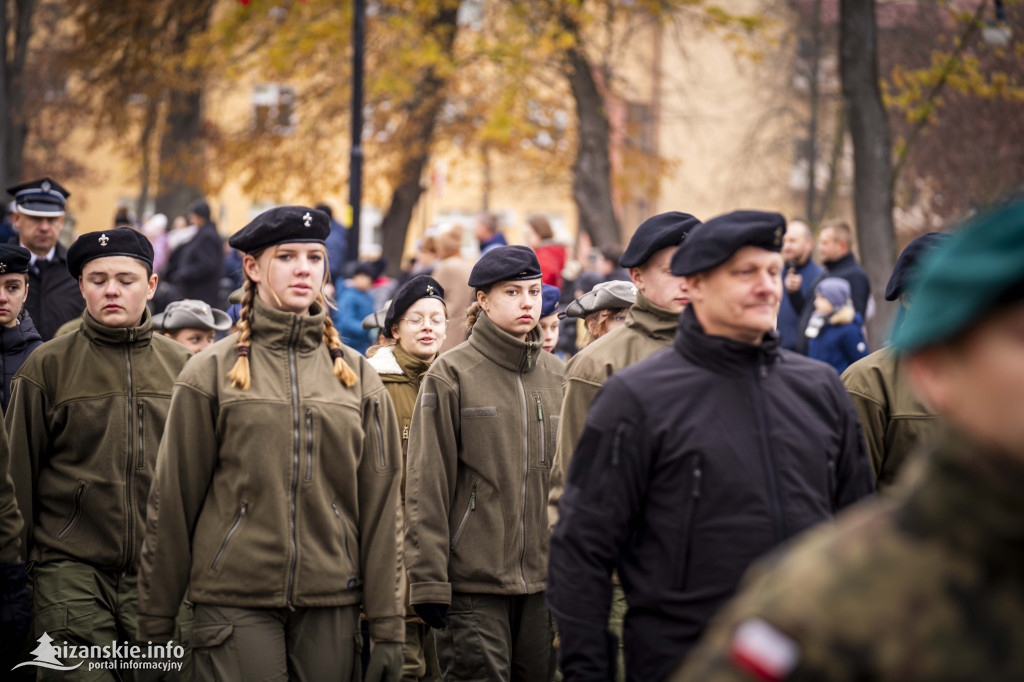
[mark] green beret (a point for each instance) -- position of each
(965, 278)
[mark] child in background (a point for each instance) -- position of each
(834, 332)
(354, 303)
(549, 316)
(192, 323)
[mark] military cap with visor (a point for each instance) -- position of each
(121, 241)
(282, 225)
(14, 259)
(604, 296)
(191, 314)
(657, 233)
(505, 264)
(420, 286)
(43, 198)
(715, 242)
(975, 272)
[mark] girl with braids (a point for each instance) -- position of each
(277, 494)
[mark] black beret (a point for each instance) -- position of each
(657, 233)
(121, 241)
(43, 197)
(908, 261)
(715, 242)
(13, 259)
(200, 208)
(282, 225)
(505, 263)
(420, 286)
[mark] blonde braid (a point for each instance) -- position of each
(342, 371)
(239, 374)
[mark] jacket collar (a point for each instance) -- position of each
(277, 329)
(652, 320)
(503, 349)
(412, 367)
(20, 336)
(833, 264)
(971, 494)
(115, 336)
(719, 353)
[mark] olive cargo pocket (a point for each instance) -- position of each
(213, 655)
(460, 647)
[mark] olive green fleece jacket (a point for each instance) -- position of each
(648, 328)
(285, 495)
(11, 522)
(86, 416)
(480, 448)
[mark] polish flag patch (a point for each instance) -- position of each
(763, 651)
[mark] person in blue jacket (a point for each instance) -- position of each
(834, 331)
(354, 303)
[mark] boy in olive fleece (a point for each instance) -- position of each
(86, 416)
(480, 448)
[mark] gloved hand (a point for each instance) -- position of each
(385, 663)
(434, 615)
(15, 610)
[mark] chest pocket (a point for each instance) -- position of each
(545, 426)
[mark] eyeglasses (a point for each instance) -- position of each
(418, 321)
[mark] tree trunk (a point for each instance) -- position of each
(592, 171)
(812, 123)
(418, 133)
(146, 143)
(12, 90)
(872, 154)
(180, 175)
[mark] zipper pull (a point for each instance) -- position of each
(540, 412)
(697, 475)
(472, 500)
(405, 432)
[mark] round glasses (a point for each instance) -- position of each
(418, 321)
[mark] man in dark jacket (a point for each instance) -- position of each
(697, 460)
(801, 276)
(53, 295)
(195, 268)
(834, 246)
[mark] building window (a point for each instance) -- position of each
(273, 109)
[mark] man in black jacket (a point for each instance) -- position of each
(834, 247)
(698, 460)
(53, 295)
(194, 269)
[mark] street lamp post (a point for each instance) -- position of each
(355, 180)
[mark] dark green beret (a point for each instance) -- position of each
(282, 225)
(504, 264)
(962, 280)
(715, 242)
(420, 286)
(654, 234)
(14, 259)
(121, 241)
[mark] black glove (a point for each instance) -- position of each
(15, 610)
(434, 615)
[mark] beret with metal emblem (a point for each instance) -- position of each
(282, 225)
(657, 233)
(14, 259)
(191, 314)
(715, 242)
(420, 286)
(121, 241)
(505, 264)
(550, 297)
(979, 269)
(44, 197)
(604, 296)
(909, 259)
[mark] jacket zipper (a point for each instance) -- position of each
(309, 443)
(405, 434)
(697, 476)
(294, 378)
(344, 533)
(526, 472)
(227, 538)
(832, 483)
(380, 432)
(142, 449)
(761, 371)
(79, 492)
(471, 507)
(129, 469)
(540, 420)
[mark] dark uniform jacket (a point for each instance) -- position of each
(692, 464)
(923, 584)
(15, 344)
(53, 294)
(86, 416)
(849, 269)
(195, 268)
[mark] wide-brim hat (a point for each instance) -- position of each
(191, 314)
(604, 296)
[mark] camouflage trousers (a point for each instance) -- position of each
(76, 604)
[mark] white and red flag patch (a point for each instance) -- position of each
(763, 651)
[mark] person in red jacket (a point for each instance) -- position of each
(551, 256)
